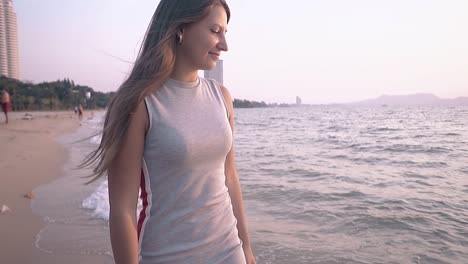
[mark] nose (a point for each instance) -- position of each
(222, 44)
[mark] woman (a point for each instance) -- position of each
(169, 132)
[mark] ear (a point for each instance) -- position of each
(180, 35)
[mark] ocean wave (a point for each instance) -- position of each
(414, 149)
(98, 202)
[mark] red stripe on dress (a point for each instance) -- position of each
(144, 198)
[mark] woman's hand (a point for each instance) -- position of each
(249, 256)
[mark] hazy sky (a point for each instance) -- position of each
(323, 51)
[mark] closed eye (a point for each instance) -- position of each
(217, 28)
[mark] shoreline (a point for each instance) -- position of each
(31, 156)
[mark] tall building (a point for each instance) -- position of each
(9, 53)
(216, 73)
(298, 100)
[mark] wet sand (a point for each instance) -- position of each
(30, 157)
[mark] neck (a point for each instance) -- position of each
(183, 73)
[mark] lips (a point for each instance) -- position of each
(216, 55)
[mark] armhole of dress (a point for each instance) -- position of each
(150, 115)
(218, 87)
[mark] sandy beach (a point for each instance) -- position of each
(30, 157)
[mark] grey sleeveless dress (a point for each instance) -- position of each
(187, 214)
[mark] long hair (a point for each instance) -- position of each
(152, 68)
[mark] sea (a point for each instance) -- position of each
(321, 184)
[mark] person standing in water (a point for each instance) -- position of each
(6, 104)
(169, 133)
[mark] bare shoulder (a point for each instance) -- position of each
(139, 117)
(227, 99)
(226, 93)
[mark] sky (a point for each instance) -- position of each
(327, 51)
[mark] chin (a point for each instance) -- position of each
(208, 66)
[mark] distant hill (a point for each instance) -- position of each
(420, 99)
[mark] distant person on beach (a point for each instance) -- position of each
(169, 132)
(80, 111)
(6, 104)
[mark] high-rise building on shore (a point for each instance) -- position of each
(216, 73)
(298, 100)
(9, 52)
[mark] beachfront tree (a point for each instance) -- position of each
(59, 95)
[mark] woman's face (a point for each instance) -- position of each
(203, 41)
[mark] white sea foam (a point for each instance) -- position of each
(95, 123)
(98, 202)
(96, 139)
(37, 242)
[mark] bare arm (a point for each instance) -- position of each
(233, 184)
(124, 181)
